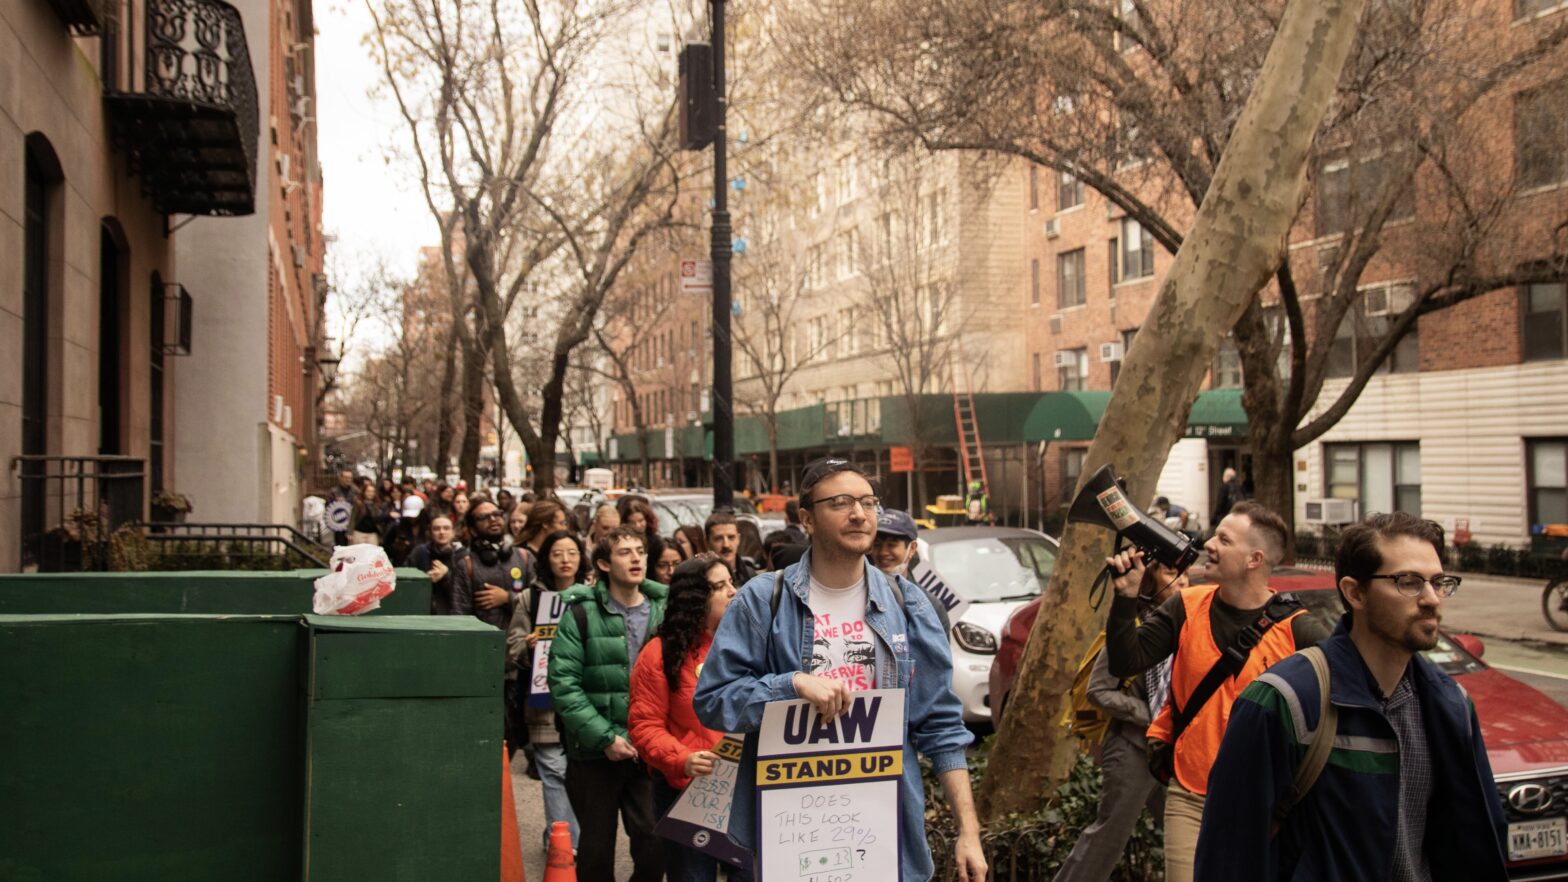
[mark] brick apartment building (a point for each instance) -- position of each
(96, 121)
(1467, 423)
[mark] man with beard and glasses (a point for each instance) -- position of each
(1406, 792)
(865, 631)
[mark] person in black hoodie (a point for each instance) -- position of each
(487, 580)
(434, 558)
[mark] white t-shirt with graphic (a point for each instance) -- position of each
(843, 648)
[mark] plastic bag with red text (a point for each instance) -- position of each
(358, 577)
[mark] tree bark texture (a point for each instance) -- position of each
(1237, 242)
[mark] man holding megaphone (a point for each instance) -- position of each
(1222, 636)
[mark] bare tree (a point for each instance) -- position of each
(1138, 101)
(990, 55)
(628, 337)
(519, 175)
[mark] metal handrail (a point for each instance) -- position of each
(219, 528)
(110, 489)
(262, 538)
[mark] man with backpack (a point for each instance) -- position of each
(1110, 714)
(832, 624)
(1222, 637)
(596, 642)
(1359, 759)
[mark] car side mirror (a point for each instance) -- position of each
(1471, 643)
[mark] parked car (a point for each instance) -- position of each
(995, 570)
(1526, 732)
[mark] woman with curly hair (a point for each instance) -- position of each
(663, 726)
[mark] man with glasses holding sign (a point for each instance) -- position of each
(825, 628)
(1399, 786)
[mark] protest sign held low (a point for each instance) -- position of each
(546, 618)
(701, 816)
(827, 790)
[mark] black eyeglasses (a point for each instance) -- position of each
(843, 502)
(490, 516)
(1410, 584)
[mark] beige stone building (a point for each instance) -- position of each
(109, 151)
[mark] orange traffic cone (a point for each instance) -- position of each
(561, 866)
(511, 846)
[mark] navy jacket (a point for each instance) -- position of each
(1344, 829)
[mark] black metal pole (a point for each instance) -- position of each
(723, 407)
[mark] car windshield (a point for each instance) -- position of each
(1447, 655)
(995, 567)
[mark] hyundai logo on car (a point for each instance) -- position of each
(1531, 799)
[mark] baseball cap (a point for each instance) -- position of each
(896, 523)
(412, 506)
(818, 471)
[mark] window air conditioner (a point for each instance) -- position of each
(1375, 301)
(1330, 511)
(1064, 358)
(277, 408)
(1051, 229)
(1110, 352)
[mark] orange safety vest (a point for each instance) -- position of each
(1196, 653)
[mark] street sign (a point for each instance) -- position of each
(901, 459)
(696, 277)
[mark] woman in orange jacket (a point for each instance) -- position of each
(663, 726)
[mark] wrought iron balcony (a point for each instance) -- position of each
(187, 117)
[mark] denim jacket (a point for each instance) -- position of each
(756, 654)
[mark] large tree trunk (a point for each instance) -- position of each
(473, 410)
(1236, 243)
(444, 428)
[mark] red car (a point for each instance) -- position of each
(1526, 732)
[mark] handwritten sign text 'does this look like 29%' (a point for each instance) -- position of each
(827, 790)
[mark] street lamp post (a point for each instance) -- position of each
(723, 404)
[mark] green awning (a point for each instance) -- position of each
(1065, 416)
(1074, 416)
(1217, 414)
(588, 457)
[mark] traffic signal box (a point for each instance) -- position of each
(157, 747)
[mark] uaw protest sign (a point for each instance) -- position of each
(827, 790)
(700, 818)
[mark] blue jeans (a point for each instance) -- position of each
(550, 759)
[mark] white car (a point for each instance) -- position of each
(982, 574)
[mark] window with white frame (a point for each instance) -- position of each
(1547, 480)
(1137, 251)
(1116, 366)
(1227, 365)
(1072, 369)
(1365, 325)
(1349, 191)
(1069, 192)
(1379, 476)
(1071, 289)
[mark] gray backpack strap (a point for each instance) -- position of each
(1321, 743)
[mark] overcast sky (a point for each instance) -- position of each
(373, 208)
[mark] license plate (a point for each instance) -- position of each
(1537, 839)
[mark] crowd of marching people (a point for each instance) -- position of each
(634, 646)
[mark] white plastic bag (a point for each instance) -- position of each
(358, 577)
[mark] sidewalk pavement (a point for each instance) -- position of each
(1501, 608)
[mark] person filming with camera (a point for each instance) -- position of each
(1222, 636)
